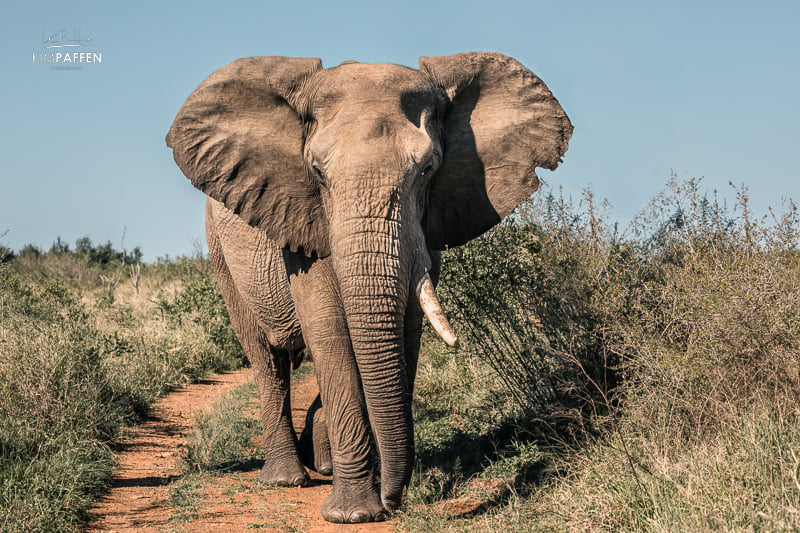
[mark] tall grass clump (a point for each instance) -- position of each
(225, 435)
(87, 343)
(637, 380)
(56, 410)
(172, 331)
(717, 316)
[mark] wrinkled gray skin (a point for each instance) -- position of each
(329, 192)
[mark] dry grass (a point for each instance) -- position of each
(82, 353)
(656, 372)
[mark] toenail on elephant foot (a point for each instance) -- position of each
(300, 481)
(357, 516)
(285, 478)
(360, 517)
(352, 506)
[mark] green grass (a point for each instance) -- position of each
(225, 437)
(84, 352)
(744, 478)
(184, 497)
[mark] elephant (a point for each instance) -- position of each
(331, 192)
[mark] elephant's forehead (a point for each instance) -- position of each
(381, 84)
(373, 75)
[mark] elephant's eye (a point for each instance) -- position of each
(320, 175)
(427, 170)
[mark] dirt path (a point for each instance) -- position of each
(150, 462)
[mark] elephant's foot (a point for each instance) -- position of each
(316, 455)
(354, 503)
(284, 472)
(314, 445)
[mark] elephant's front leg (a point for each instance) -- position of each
(282, 464)
(356, 495)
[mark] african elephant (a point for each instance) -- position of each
(330, 191)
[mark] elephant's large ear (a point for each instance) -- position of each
(239, 139)
(502, 122)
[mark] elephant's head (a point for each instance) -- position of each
(373, 165)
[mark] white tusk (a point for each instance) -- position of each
(430, 305)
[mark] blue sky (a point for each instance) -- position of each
(707, 89)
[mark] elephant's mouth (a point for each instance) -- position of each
(430, 305)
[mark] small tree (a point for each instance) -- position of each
(83, 246)
(30, 251)
(104, 254)
(59, 247)
(134, 257)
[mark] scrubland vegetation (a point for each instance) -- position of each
(643, 378)
(88, 341)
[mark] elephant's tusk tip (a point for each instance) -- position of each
(432, 309)
(449, 337)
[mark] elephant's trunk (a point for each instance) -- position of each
(375, 278)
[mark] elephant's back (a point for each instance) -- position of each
(257, 268)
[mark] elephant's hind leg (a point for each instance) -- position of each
(315, 445)
(271, 368)
(282, 465)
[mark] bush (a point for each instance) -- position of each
(653, 375)
(200, 302)
(716, 326)
(526, 298)
(534, 372)
(181, 334)
(6, 254)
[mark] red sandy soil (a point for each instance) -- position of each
(149, 461)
